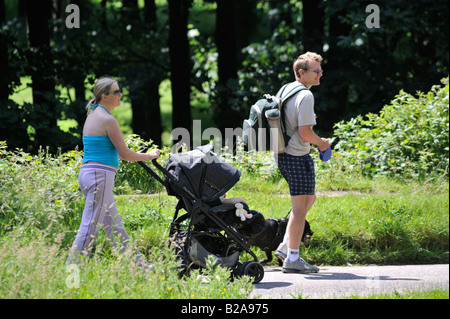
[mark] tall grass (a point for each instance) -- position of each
(40, 211)
(419, 294)
(380, 229)
(34, 268)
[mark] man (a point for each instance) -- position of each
(296, 165)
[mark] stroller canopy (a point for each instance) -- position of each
(199, 174)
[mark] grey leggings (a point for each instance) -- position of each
(97, 182)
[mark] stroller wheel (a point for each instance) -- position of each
(253, 269)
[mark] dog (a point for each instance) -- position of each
(272, 236)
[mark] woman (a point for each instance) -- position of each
(103, 146)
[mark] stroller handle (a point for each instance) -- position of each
(164, 171)
(150, 171)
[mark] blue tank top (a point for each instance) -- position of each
(99, 148)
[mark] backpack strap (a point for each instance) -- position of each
(289, 90)
(294, 88)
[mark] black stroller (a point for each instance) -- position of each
(208, 228)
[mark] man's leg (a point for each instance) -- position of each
(296, 224)
(301, 204)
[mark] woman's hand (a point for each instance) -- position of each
(153, 154)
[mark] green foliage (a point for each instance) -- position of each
(129, 41)
(39, 193)
(131, 174)
(40, 210)
(420, 294)
(265, 67)
(35, 269)
(408, 139)
(380, 229)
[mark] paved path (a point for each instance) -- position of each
(337, 282)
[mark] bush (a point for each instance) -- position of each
(408, 139)
(132, 175)
(39, 193)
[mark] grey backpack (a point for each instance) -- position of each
(265, 129)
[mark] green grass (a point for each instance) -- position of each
(380, 229)
(35, 269)
(349, 229)
(419, 294)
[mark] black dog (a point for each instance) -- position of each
(272, 236)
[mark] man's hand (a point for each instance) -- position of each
(324, 145)
(306, 132)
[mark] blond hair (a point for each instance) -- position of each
(102, 86)
(303, 61)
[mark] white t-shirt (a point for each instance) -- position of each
(299, 111)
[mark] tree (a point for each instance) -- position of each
(226, 41)
(12, 128)
(41, 62)
(313, 25)
(409, 50)
(144, 89)
(180, 65)
(4, 90)
(338, 77)
(254, 43)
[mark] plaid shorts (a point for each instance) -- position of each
(299, 173)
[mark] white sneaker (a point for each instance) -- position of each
(298, 266)
(281, 252)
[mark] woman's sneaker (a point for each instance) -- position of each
(281, 252)
(298, 266)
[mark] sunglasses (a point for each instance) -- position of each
(317, 71)
(117, 92)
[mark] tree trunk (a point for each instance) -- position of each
(226, 42)
(313, 26)
(338, 85)
(180, 65)
(146, 120)
(38, 15)
(4, 79)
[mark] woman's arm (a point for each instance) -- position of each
(115, 135)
